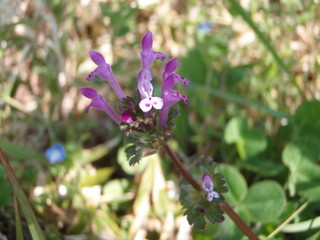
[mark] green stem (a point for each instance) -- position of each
(26, 209)
(225, 206)
(289, 219)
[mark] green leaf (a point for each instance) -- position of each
(235, 182)
(308, 179)
(308, 113)
(5, 193)
(19, 234)
(19, 152)
(265, 201)
(234, 129)
(131, 170)
(250, 142)
(30, 217)
(100, 176)
(194, 202)
(315, 236)
(90, 155)
(115, 189)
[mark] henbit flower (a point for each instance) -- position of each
(147, 54)
(99, 103)
(55, 153)
(146, 89)
(104, 71)
(168, 95)
(208, 186)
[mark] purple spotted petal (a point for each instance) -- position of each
(145, 104)
(145, 89)
(157, 102)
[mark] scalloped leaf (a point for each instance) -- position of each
(196, 207)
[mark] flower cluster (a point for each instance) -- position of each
(145, 87)
(138, 112)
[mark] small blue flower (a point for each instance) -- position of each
(204, 27)
(55, 153)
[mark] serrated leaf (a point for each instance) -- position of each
(123, 162)
(195, 203)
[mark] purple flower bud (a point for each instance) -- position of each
(170, 67)
(208, 186)
(99, 103)
(168, 95)
(147, 40)
(147, 54)
(126, 117)
(104, 71)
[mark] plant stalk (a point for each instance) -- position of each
(224, 206)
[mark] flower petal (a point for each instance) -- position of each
(145, 89)
(171, 66)
(160, 56)
(147, 40)
(145, 105)
(88, 92)
(145, 75)
(97, 58)
(157, 102)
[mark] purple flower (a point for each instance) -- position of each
(146, 89)
(208, 186)
(147, 54)
(168, 95)
(145, 76)
(55, 153)
(99, 103)
(104, 71)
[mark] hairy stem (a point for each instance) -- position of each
(224, 206)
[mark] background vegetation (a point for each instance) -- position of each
(253, 106)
